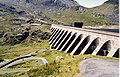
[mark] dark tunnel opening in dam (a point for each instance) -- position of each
(64, 34)
(105, 49)
(69, 42)
(83, 44)
(117, 53)
(92, 46)
(75, 43)
(68, 36)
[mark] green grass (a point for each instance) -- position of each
(90, 17)
(66, 66)
(23, 49)
(86, 17)
(26, 64)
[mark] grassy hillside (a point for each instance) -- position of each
(87, 17)
(106, 14)
(35, 38)
(65, 66)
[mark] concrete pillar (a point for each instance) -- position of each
(67, 41)
(62, 40)
(54, 36)
(98, 47)
(88, 44)
(56, 39)
(112, 51)
(117, 53)
(74, 50)
(52, 30)
(71, 43)
(114, 47)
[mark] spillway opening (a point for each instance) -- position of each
(83, 44)
(68, 36)
(93, 46)
(105, 49)
(75, 43)
(69, 42)
(117, 53)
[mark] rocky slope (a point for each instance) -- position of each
(108, 11)
(114, 16)
(95, 67)
(43, 4)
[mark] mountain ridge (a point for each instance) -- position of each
(109, 10)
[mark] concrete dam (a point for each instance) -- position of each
(77, 41)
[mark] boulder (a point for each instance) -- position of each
(95, 67)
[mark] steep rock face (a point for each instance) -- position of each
(109, 10)
(49, 2)
(114, 17)
(6, 8)
(59, 4)
(113, 1)
(44, 4)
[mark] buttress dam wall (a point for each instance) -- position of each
(84, 41)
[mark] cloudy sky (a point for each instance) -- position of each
(90, 3)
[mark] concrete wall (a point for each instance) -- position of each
(84, 41)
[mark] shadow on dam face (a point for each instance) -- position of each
(55, 35)
(69, 42)
(64, 41)
(61, 39)
(75, 43)
(93, 46)
(58, 37)
(117, 53)
(52, 29)
(105, 49)
(83, 44)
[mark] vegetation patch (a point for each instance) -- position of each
(60, 64)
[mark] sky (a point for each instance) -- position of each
(90, 3)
